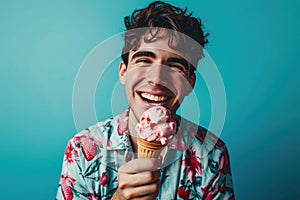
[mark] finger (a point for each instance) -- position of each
(140, 179)
(148, 197)
(141, 165)
(149, 191)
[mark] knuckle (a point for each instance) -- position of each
(127, 195)
(149, 176)
(122, 185)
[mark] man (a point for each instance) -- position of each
(162, 47)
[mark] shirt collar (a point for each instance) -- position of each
(119, 139)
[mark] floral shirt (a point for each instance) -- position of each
(195, 163)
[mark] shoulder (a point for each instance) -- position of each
(202, 140)
(207, 154)
(208, 139)
(96, 131)
(91, 140)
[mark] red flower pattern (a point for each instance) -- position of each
(182, 193)
(192, 165)
(209, 191)
(71, 154)
(103, 179)
(87, 145)
(224, 163)
(92, 197)
(66, 184)
(223, 186)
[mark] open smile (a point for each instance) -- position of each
(153, 98)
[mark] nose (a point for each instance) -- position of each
(157, 75)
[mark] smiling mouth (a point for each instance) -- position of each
(156, 99)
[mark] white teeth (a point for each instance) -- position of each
(153, 97)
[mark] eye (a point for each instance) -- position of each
(142, 60)
(177, 66)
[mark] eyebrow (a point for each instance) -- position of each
(182, 61)
(143, 53)
(150, 54)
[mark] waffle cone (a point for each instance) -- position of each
(148, 149)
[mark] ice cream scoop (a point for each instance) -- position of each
(156, 124)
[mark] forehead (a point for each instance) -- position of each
(162, 43)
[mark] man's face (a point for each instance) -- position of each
(155, 75)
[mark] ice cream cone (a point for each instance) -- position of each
(149, 149)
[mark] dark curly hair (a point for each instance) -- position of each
(178, 23)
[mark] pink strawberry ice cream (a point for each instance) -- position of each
(156, 124)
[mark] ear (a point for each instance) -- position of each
(192, 80)
(122, 72)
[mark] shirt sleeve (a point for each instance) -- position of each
(220, 185)
(72, 184)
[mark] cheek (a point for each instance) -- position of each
(181, 84)
(134, 78)
(136, 73)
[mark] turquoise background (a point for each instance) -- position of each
(255, 45)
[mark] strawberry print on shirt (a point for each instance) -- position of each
(196, 164)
